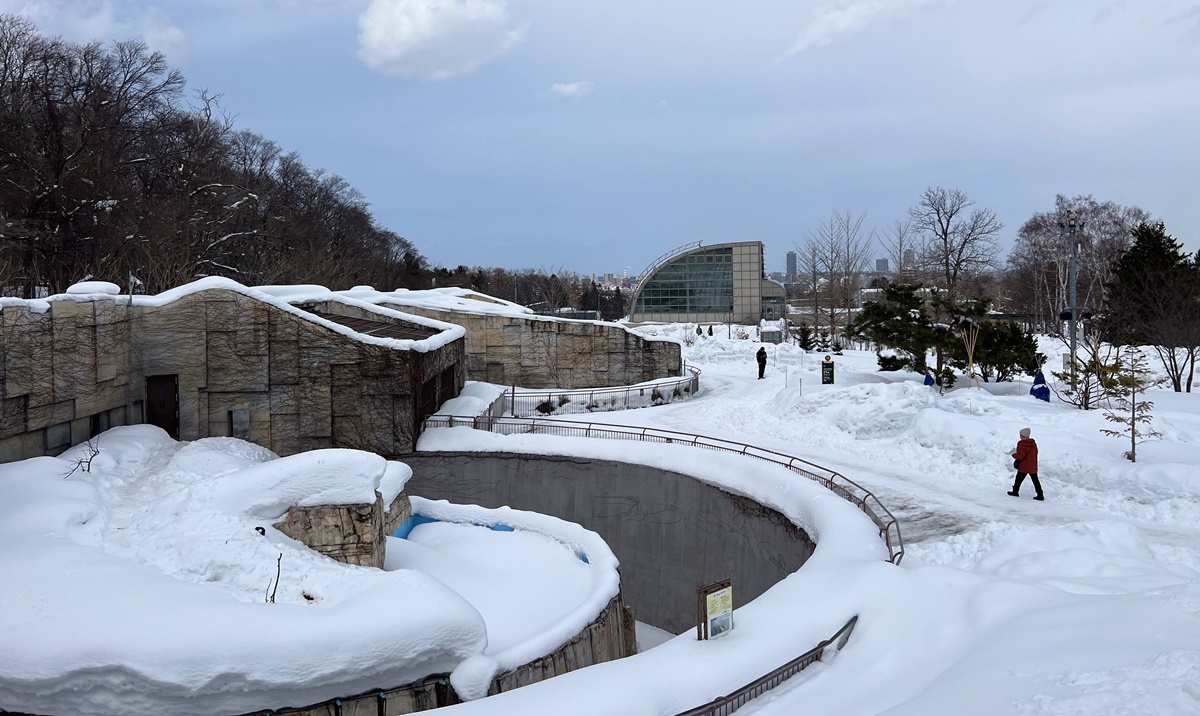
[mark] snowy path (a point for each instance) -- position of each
(1088, 603)
(930, 502)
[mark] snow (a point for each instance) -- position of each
(476, 398)
(536, 586)
(1088, 603)
(139, 586)
(85, 288)
(449, 299)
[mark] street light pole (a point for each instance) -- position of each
(1074, 308)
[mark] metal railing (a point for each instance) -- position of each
(521, 404)
(665, 258)
(732, 702)
(840, 485)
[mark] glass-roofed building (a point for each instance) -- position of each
(718, 283)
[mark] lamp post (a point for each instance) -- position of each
(1072, 225)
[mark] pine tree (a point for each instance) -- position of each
(1154, 300)
(804, 336)
(1003, 349)
(1131, 379)
(899, 322)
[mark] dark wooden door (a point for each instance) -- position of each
(162, 403)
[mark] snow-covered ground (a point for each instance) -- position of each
(1087, 603)
(140, 586)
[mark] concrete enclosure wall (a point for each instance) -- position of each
(556, 353)
(671, 533)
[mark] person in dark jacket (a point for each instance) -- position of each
(762, 361)
(1025, 459)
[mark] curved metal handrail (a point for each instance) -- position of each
(839, 484)
(630, 397)
(665, 258)
(729, 703)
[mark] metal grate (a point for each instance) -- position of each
(381, 329)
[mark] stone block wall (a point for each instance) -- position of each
(353, 534)
(557, 353)
(245, 369)
(64, 374)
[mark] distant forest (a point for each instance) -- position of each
(110, 168)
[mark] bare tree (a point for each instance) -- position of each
(833, 257)
(957, 241)
(902, 246)
(1038, 266)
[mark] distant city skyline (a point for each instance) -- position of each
(513, 133)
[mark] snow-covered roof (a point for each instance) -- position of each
(450, 300)
(278, 297)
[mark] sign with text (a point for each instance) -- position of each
(714, 610)
(827, 372)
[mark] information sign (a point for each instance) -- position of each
(714, 610)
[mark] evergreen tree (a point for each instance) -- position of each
(1002, 349)
(1154, 300)
(804, 336)
(1132, 378)
(899, 322)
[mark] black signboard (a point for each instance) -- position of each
(827, 373)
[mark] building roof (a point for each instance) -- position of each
(400, 331)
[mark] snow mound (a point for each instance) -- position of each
(140, 586)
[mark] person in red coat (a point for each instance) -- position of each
(1025, 460)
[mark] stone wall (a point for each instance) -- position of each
(245, 369)
(557, 353)
(354, 534)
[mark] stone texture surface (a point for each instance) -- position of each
(354, 534)
(304, 385)
(557, 353)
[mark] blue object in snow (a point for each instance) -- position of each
(1040, 390)
(928, 378)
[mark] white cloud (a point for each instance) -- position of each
(434, 39)
(572, 89)
(833, 22)
(100, 21)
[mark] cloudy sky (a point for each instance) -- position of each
(595, 136)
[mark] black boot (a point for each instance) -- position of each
(1014, 494)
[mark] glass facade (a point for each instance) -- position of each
(699, 282)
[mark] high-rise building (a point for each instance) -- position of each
(881, 265)
(790, 277)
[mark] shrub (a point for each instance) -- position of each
(891, 363)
